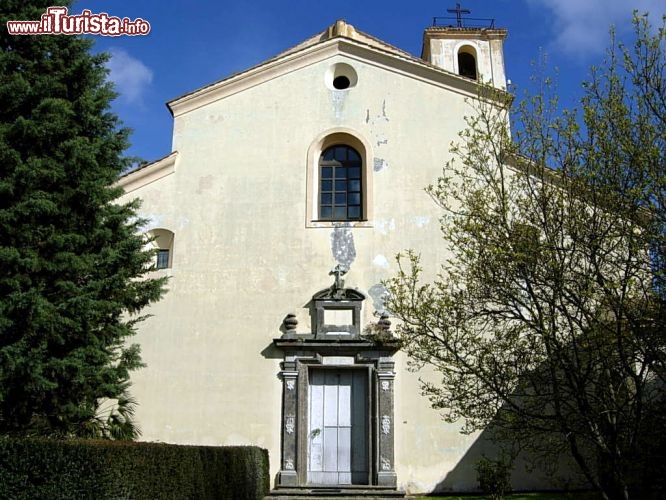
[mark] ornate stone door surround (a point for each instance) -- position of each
(337, 346)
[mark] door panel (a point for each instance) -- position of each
(338, 427)
(316, 424)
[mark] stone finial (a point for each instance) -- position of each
(341, 28)
(290, 323)
(384, 322)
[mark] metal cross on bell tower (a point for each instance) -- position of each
(458, 11)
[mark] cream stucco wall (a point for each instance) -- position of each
(244, 255)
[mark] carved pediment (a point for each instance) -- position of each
(336, 294)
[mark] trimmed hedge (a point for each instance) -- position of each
(43, 468)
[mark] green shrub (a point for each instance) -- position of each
(42, 468)
(494, 477)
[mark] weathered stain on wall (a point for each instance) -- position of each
(421, 220)
(378, 294)
(342, 245)
(385, 226)
(381, 261)
(338, 102)
(379, 164)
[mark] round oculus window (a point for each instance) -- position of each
(341, 82)
(340, 76)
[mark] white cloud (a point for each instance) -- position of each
(130, 76)
(581, 26)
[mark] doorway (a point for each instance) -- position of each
(338, 409)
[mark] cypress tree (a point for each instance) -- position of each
(73, 262)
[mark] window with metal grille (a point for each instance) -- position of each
(340, 184)
(162, 259)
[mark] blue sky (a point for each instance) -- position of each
(194, 43)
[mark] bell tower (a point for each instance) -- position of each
(469, 47)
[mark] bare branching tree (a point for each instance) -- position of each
(548, 318)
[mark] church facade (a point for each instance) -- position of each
(291, 187)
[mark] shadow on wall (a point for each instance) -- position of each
(272, 352)
(527, 473)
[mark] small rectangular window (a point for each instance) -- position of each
(162, 259)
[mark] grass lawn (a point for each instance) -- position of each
(521, 496)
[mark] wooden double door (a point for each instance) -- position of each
(338, 439)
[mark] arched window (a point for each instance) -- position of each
(340, 184)
(162, 241)
(467, 62)
(330, 197)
